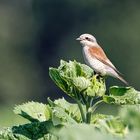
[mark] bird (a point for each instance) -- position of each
(96, 58)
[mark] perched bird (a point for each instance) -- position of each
(96, 58)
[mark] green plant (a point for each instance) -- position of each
(62, 120)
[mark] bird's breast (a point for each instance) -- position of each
(97, 65)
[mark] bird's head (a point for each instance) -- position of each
(87, 40)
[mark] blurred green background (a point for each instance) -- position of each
(36, 34)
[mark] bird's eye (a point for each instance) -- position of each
(87, 38)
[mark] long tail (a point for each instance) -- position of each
(121, 79)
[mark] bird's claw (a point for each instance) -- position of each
(98, 77)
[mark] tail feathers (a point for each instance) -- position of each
(121, 79)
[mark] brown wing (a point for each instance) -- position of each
(99, 54)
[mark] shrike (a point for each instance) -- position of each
(96, 58)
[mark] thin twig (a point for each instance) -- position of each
(93, 108)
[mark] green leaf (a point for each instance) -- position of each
(131, 116)
(7, 134)
(97, 87)
(133, 136)
(110, 124)
(74, 69)
(81, 83)
(31, 131)
(77, 79)
(63, 112)
(33, 111)
(82, 132)
(122, 96)
(71, 109)
(59, 116)
(59, 80)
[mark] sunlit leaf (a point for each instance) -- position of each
(33, 111)
(59, 116)
(75, 78)
(82, 132)
(131, 116)
(71, 109)
(31, 131)
(81, 83)
(63, 112)
(110, 124)
(122, 96)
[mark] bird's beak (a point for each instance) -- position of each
(78, 38)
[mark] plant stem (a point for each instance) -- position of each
(81, 111)
(88, 110)
(88, 114)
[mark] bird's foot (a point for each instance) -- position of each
(95, 77)
(98, 77)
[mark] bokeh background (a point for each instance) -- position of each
(36, 34)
